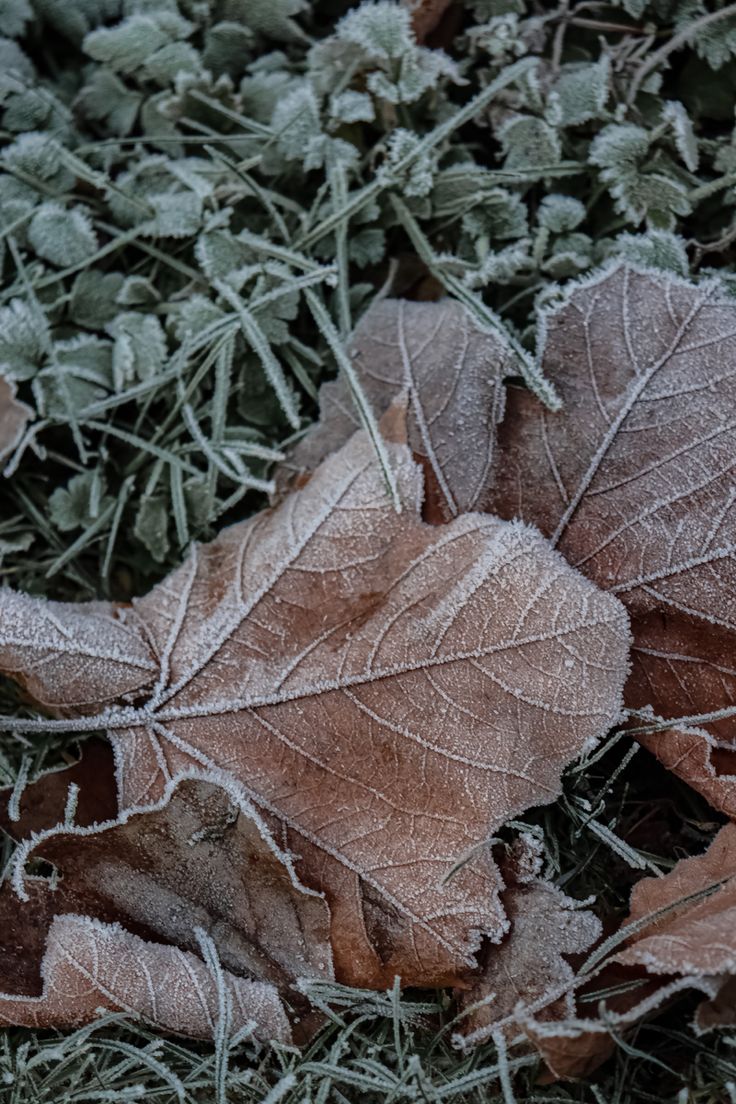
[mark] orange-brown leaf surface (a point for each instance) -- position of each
(451, 371)
(383, 693)
(634, 483)
(14, 416)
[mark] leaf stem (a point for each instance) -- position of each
(677, 41)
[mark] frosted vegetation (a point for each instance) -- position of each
(198, 202)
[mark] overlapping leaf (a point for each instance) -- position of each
(195, 863)
(529, 975)
(89, 966)
(634, 483)
(682, 936)
(384, 692)
(452, 371)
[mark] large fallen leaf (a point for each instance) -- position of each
(14, 417)
(385, 692)
(89, 967)
(452, 371)
(683, 936)
(635, 483)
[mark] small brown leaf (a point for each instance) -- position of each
(634, 482)
(386, 694)
(528, 975)
(14, 417)
(90, 966)
(683, 936)
(425, 15)
(451, 371)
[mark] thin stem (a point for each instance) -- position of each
(367, 417)
(339, 192)
(675, 43)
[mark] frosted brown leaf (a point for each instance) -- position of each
(89, 966)
(452, 372)
(683, 936)
(197, 862)
(384, 692)
(634, 482)
(528, 975)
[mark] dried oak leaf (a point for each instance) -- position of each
(689, 943)
(385, 692)
(196, 862)
(452, 372)
(634, 482)
(14, 417)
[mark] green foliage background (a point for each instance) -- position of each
(197, 201)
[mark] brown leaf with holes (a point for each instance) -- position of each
(634, 483)
(451, 371)
(383, 692)
(683, 936)
(14, 417)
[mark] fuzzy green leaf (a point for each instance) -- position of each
(23, 338)
(62, 235)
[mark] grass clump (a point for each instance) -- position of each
(197, 202)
